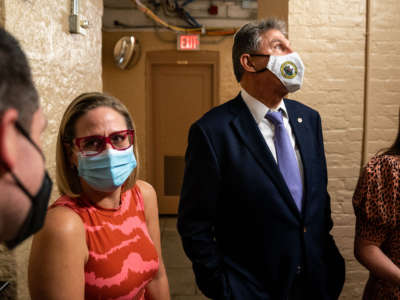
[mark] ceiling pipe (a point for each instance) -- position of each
(75, 7)
(178, 29)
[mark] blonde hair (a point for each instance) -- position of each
(67, 176)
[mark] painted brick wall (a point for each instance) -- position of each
(330, 36)
(384, 95)
(63, 66)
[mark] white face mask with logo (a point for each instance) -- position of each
(288, 68)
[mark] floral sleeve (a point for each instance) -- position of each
(376, 199)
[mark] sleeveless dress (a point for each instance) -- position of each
(122, 257)
(376, 204)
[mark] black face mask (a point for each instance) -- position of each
(36, 215)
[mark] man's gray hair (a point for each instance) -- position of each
(247, 40)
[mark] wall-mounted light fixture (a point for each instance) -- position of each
(126, 52)
(77, 23)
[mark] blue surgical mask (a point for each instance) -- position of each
(108, 170)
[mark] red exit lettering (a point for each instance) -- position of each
(188, 42)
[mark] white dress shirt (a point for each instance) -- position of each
(258, 111)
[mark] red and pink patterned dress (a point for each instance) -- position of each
(122, 257)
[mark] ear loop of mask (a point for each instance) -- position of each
(262, 70)
(17, 181)
(265, 68)
(26, 135)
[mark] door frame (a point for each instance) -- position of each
(174, 57)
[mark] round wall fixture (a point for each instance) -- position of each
(126, 52)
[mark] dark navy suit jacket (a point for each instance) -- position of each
(238, 222)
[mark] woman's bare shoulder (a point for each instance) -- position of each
(146, 189)
(149, 197)
(62, 222)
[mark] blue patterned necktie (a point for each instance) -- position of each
(286, 157)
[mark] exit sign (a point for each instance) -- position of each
(188, 42)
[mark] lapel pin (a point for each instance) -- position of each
(299, 120)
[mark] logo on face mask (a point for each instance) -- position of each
(288, 70)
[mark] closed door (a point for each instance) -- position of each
(181, 94)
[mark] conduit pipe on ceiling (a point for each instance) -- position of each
(364, 151)
(196, 30)
(149, 13)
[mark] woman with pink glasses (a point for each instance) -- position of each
(101, 238)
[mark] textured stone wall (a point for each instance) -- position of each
(63, 66)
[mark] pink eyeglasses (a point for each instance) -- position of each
(94, 144)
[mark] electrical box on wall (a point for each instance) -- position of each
(77, 23)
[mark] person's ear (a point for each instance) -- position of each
(8, 138)
(247, 64)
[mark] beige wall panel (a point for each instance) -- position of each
(63, 66)
(273, 8)
(2, 13)
(329, 36)
(129, 85)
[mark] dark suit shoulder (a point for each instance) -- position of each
(220, 115)
(296, 108)
(293, 104)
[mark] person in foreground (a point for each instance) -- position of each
(24, 183)
(101, 238)
(254, 213)
(376, 204)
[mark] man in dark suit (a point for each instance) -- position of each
(254, 214)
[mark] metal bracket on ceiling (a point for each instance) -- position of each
(77, 23)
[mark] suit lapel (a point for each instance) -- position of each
(249, 133)
(303, 135)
